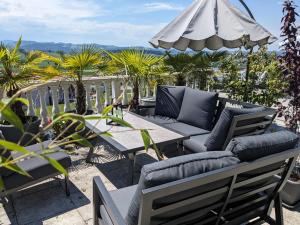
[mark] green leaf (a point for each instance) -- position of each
(1, 184)
(55, 164)
(120, 121)
(14, 147)
(107, 134)
(146, 139)
(23, 100)
(17, 169)
(107, 109)
(81, 140)
(80, 127)
(12, 118)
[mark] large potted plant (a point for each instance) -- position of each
(137, 66)
(290, 62)
(74, 66)
(19, 70)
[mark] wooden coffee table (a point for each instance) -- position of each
(129, 141)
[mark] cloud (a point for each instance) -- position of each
(161, 6)
(69, 20)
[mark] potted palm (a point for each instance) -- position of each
(137, 66)
(74, 66)
(19, 70)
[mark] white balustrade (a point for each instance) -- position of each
(98, 98)
(43, 106)
(107, 86)
(54, 92)
(88, 96)
(112, 88)
(154, 91)
(67, 107)
(30, 108)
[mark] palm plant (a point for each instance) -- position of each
(74, 66)
(19, 70)
(197, 66)
(136, 65)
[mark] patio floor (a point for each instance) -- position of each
(47, 203)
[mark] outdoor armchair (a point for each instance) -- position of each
(221, 187)
(38, 168)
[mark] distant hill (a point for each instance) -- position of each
(69, 47)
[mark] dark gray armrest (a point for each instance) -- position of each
(102, 197)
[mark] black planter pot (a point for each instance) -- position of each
(290, 194)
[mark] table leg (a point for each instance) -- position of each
(180, 148)
(132, 158)
(89, 156)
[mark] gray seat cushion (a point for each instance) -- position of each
(169, 100)
(198, 108)
(196, 143)
(219, 134)
(157, 119)
(185, 129)
(122, 199)
(173, 169)
(37, 168)
(249, 148)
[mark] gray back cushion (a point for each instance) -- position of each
(175, 169)
(219, 133)
(198, 108)
(249, 148)
(169, 100)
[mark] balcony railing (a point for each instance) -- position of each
(100, 92)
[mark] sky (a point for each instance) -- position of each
(109, 22)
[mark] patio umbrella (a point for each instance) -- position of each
(212, 24)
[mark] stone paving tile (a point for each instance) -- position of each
(42, 205)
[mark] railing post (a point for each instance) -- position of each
(116, 89)
(65, 88)
(154, 90)
(98, 98)
(30, 108)
(147, 90)
(54, 92)
(43, 106)
(88, 96)
(125, 97)
(107, 93)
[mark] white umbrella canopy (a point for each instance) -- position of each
(212, 24)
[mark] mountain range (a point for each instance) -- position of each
(69, 47)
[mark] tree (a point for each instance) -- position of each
(136, 65)
(18, 70)
(264, 83)
(290, 64)
(74, 66)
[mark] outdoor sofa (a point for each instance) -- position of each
(214, 187)
(205, 117)
(39, 169)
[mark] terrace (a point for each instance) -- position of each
(131, 138)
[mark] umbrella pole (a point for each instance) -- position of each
(245, 97)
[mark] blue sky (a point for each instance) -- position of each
(110, 22)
